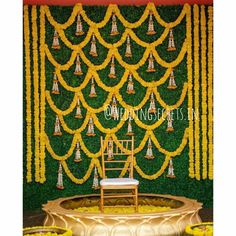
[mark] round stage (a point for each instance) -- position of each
(63, 212)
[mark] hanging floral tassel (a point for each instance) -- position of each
(95, 179)
(114, 30)
(172, 84)
(151, 63)
(55, 87)
(171, 42)
(171, 170)
(149, 154)
(79, 26)
(78, 70)
(112, 69)
(57, 128)
(128, 52)
(90, 131)
(152, 107)
(93, 49)
(55, 42)
(169, 122)
(130, 86)
(130, 131)
(114, 110)
(77, 153)
(110, 155)
(92, 90)
(151, 30)
(78, 113)
(60, 178)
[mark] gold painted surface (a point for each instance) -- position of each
(169, 223)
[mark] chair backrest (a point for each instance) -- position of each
(119, 149)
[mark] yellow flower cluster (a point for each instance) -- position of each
(210, 91)
(196, 89)
(123, 209)
(41, 172)
(67, 232)
(28, 94)
(204, 92)
(202, 229)
(36, 91)
(190, 94)
(114, 8)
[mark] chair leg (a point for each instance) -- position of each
(136, 198)
(102, 200)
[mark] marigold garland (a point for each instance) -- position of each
(190, 94)
(210, 91)
(204, 93)
(28, 93)
(118, 57)
(42, 92)
(114, 8)
(192, 229)
(196, 89)
(157, 174)
(68, 232)
(36, 90)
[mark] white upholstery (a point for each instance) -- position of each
(119, 181)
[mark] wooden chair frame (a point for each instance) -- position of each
(130, 159)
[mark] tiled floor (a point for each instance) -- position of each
(36, 218)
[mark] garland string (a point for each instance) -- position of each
(204, 93)
(196, 89)
(36, 91)
(210, 92)
(28, 94)
(42, 91)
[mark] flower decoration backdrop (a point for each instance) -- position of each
(76, 63)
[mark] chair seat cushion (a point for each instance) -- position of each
(119, 181)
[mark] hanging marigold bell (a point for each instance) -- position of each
(151, 30)
(151, 63)
(78, 70)
(172, 84)
(79, 26)
(114, 110)
(171, 170)
(55, 87)
(60, 178)
(112, 73)
(92, 90)
(78, 113)
(95, 185)
(169, 122)
(90, 131)
(152, 106)
(55, 42)
(128, 52)
(130, 86)
(93, 49)
(149, 153)
(114, 30)
(130, 130)
(171, 42)
(77, 153)
(57, 127)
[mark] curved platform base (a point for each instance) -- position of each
(169, 223)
